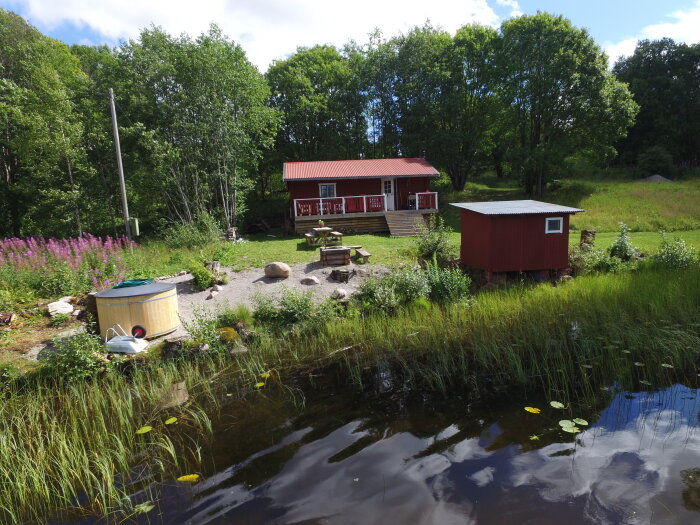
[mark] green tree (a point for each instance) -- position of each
(664, 77)
(318, 92)
(563, 102)
(41, 155)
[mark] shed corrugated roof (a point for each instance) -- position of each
(357, 169)
(514, 207)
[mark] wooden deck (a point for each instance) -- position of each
(364, 222)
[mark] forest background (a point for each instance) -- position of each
(204, 133)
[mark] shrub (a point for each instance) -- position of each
(655, 160)
(193, 234)
(408, 284)
(73, 358)
(239, 315)
(622, 248)
(292, 308)
(59, 319)
(446, 284)
(394, 290)
(433, 242)
(586, 259)
(202, 276)
(675, 254)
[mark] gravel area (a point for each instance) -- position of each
(244, 285)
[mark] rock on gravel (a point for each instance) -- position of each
(212, 294)
(60, 307)
(276, 270)
(339, 293)
(310, 280)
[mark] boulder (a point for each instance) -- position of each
(212, 294)
(60, 307)
(277, 270)
(310, 280)
(339, 293)
(216, 288)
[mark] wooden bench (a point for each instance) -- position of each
(363, 253)
(311, 238)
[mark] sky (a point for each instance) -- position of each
(272, 29)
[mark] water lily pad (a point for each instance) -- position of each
(144, 429)
(566, 423)
(190, 478)
(571, 430)
(265, 375)
(534, 437)
(259, 385)
(580, 421)
(666, 365)
(170, 420)
(637, 363)
(556, 404)
(533, 410)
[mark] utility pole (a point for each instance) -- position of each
(120, 168)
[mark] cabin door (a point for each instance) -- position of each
(389, 189)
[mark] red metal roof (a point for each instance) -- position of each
(357, 169)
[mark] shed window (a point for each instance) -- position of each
(326, 190)
(554, 225)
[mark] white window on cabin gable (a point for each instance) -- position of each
(326, 190)
(554, 225)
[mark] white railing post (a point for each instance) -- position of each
(342, 200)
(295, 208)
(385, 203)
(365, 208)
(417, 199)
(321, 206)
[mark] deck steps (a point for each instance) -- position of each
(404, 223)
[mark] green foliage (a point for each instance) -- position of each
(203, 231)
(587, 259)
(292, 308)
(237, 316)
(675, 254)
(202, 276)
(446, 284)
(59, 319)
(655, 160)
(622, 248)
(433, 242)
(74, 358)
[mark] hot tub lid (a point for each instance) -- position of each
(135, 291)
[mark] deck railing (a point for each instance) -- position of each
(426, 200)
(339, 205)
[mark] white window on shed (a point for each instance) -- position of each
(554, 225)
(326, 191)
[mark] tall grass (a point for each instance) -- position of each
(589, 331)
(72, 449)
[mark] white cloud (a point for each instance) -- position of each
(514, 7)
(683, 26)
(267, 29)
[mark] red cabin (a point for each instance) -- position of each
(360, 195)
(515, 236)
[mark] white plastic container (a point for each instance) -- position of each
(123, 343)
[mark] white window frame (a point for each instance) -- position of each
(561, 225)
(335, 194)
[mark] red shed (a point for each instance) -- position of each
(515, 236)
(360, 195)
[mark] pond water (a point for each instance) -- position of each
(347, 459)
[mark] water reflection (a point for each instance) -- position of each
(406, 461)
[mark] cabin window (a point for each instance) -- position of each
(326, 190)
(388, 187)
(554, 225)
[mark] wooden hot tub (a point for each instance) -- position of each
(146, 311)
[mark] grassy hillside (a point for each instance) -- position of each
(643, 206)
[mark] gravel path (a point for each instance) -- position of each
(244, 285)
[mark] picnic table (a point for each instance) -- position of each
(323, 235)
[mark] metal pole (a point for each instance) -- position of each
(120, 168)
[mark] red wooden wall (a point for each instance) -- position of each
(506, 243)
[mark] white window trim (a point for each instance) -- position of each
(335, 193)
(561, 225)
